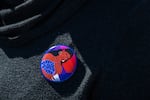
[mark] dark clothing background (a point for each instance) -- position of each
(111, 39)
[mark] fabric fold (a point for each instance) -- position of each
(45, 21)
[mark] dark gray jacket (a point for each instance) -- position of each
(111, 39)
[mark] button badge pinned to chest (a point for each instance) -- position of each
(58, 63)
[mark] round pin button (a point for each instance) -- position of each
(58, 63)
